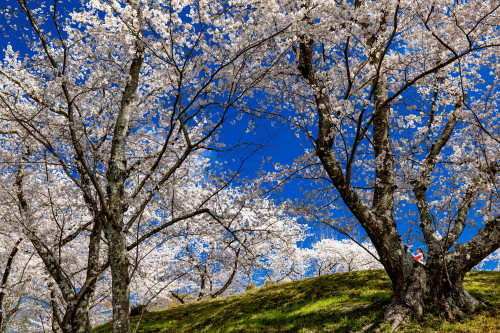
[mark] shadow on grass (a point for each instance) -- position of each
(340, 303)
(350, 302)
(366, 318)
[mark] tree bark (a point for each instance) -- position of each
(116, 176)
(119, 263)
(440, 284)
(5, 278)
(447, 291)
(77, 316)
(441, 280)
(409, 290)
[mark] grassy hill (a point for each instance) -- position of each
(348, 302)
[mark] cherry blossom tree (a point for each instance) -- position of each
(247, 239)
(246, 235)
(123, 97)
(252, 238)
(496, 257)
(46, 208)
(21, 295)
(123, 101)
(399, 99)
(329, 256)
(492, 259)
(209, 255)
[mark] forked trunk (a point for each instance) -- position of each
(430, 286)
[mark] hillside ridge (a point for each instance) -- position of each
(343, 302)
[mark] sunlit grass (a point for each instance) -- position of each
(350, 302)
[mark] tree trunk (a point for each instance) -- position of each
(119, 263)
(447, 292)
(435, 285)
(80, 322)
(5, 277)
(77, 317)
(409, 287)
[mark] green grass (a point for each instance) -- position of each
(349, 302)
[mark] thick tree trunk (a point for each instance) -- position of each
(410, 287)
(433, 286)
(447, 292)
(116, 176)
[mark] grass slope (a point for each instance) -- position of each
(348, 302)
